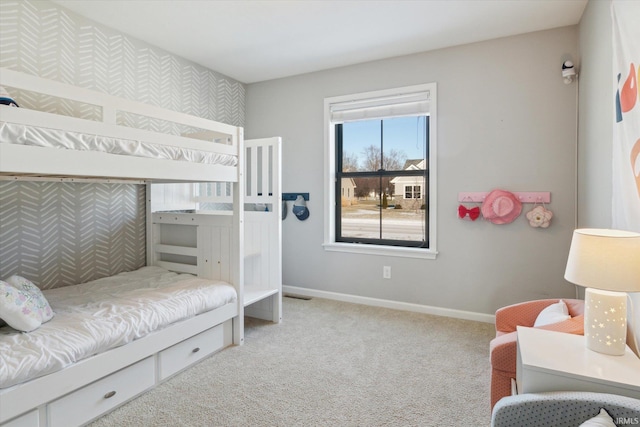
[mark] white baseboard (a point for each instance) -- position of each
(397, 305)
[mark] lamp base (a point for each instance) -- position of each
(605, 321)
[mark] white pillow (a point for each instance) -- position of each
(44, 309)
(603, 419)
(23, 307)
(555, 313)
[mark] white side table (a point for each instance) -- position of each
(556, 361)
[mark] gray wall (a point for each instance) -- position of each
(505, 120)
(596, 116)
(596, 124)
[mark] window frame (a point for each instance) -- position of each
(330, 210)
(379, 174)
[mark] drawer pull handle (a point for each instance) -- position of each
(110, 394)
(195, 350)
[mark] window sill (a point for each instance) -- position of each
(396, 251)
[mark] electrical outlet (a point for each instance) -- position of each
(386, 272)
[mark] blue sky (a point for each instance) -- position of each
(405, 134)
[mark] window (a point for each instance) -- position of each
(380, 147)
(416, 191)
(412, 191)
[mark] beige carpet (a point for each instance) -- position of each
(331, 364)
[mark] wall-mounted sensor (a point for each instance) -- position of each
(568, 72)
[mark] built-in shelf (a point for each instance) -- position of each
(175, 250)
(255, 294)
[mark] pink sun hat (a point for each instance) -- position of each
(501, 207)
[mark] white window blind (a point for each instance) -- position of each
(400, 105)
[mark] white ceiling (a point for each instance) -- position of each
(259, 40)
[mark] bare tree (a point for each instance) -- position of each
(365, 186)
(349, 162)
(371, 158)
(392, 160)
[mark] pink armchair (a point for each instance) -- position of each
(503, 346)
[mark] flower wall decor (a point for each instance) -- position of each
(540, 217)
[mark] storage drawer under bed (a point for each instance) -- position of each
(30, 419)
(191, 350)
(103, 395)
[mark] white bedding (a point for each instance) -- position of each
(13, 133)
(106, 313)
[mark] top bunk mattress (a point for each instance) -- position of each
(15, 133)
(106, 313)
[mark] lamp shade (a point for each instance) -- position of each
(604, 259)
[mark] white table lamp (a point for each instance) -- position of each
(607, 263)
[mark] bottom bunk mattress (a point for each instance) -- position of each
(93, 317)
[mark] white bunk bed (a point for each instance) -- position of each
(208, 244)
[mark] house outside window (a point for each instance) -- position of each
(381, 172)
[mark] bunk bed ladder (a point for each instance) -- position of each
(263, 227)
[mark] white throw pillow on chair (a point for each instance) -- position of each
(554, 313)
(603, 419)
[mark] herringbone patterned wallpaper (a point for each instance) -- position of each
(41, 38)
(58, 234)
